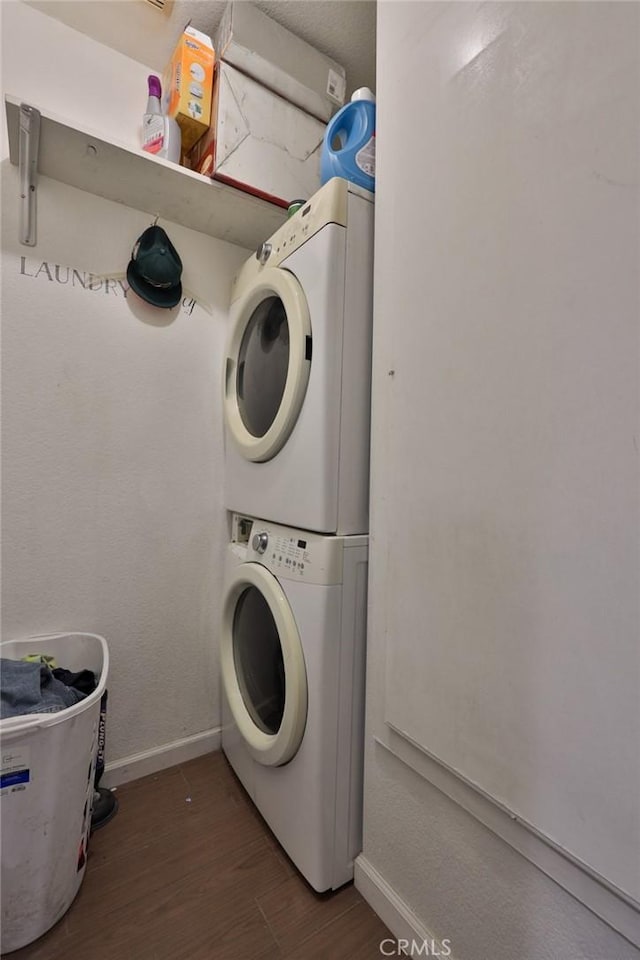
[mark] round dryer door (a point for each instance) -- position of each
(268, 364)
(262, 662)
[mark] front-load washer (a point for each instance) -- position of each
(292, 645)
(297, 377)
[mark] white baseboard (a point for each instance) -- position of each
(159, 758)
(412, 939)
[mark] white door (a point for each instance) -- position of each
(262, 663)
(268, 363)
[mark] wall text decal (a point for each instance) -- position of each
(56, 273)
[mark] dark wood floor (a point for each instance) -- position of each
(188, 870)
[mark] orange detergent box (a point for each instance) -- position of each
(187, 85)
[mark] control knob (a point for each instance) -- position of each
(263, 252)
(259, 542)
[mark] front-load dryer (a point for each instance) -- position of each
(292, 647)
(297, 377)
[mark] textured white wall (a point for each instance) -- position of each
(59, 69)
(111, 437)
(345, 30)
(504, 559)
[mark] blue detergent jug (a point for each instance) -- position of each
(349, 148)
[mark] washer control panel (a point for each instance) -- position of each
(288, 553)
(328, 206)
(281, 553)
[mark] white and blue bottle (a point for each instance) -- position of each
(349, 148)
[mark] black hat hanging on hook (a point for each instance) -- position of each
(155, 269)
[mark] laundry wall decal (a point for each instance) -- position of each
(81, 279)
(85, 280)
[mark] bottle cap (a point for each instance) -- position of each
(294, 206)
(155, 88)
(363, 93)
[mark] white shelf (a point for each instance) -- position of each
(117, 172)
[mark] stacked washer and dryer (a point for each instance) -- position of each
(297, 384)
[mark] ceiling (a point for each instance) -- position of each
(342, 29)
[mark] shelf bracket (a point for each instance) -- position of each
(29, 144)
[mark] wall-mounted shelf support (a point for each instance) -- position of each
(29, 146)
(44, 145)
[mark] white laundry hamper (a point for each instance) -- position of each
(46, 793)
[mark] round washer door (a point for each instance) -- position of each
(262, 662)
(268, 363)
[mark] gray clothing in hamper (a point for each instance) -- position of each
(31, 688)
